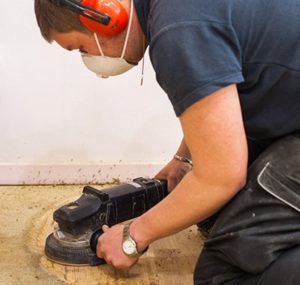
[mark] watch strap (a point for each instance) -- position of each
(126, 236)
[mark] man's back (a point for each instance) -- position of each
(200, 46)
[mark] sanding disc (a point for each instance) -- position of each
(70, 252)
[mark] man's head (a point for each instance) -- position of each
(72, 31)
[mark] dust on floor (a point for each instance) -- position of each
(26, 221)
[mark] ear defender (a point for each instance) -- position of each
(113, 9)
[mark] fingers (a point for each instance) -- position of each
(105, 228)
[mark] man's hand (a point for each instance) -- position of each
(173, 172)
(109, 247)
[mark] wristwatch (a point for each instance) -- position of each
(129, 245)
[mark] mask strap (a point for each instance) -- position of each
(143, 62)
(128, 29)
(98, 44)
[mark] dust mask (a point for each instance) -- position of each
(105, 66)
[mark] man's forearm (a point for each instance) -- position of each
(193, 200)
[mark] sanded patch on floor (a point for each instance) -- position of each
(26, 221)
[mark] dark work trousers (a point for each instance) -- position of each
(256, 236)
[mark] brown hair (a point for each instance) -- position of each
(54, 18)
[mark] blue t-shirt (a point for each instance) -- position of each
(199, 46)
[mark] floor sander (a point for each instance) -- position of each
(79, 223)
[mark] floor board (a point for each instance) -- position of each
(26, 220)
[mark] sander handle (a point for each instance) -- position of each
(94, 239)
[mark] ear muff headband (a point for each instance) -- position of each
(104, 17)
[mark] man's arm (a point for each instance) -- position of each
(214, 134)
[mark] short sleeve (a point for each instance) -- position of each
(195, 59)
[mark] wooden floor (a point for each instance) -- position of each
(26, 221)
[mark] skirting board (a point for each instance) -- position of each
(74, 174)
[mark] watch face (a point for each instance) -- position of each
(129, 247)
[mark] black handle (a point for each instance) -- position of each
(94, 239)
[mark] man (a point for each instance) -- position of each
(231, 71)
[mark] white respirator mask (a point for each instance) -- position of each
(105, 66)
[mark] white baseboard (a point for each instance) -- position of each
(74, 174)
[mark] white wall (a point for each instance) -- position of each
(57, 116)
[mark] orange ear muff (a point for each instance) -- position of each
(112, 8)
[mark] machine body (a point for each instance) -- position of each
(79, 223)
